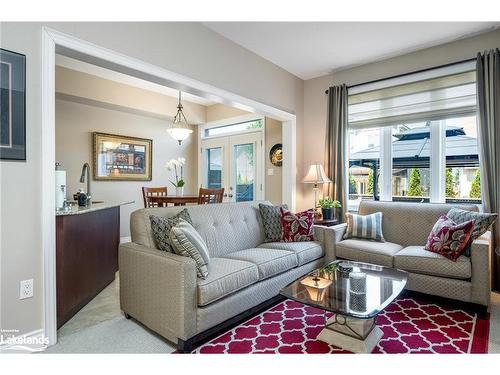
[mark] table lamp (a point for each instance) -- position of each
(316, 175)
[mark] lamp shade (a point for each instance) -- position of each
(316, 175)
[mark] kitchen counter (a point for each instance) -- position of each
(87, 240)
(77, 210)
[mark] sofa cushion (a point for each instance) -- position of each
(380, 253)
(305, 251)
(225, 276)
(408, 223)
(418, 260)
(269, 262)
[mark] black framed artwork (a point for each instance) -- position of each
(12, 105)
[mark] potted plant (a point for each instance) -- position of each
(327, 207)
(177, 165)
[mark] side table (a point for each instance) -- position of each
(327, 223)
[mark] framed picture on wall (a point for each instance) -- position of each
(122, 158)
(12, 105)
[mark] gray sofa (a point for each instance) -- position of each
(406, 227)
(161, 290)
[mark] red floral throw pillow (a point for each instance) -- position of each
(297, 227)
(449, 238)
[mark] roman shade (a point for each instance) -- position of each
(432, 94)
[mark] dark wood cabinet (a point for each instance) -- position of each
(87, 258)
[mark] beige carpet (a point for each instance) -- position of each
(118, 335)
(105, 306)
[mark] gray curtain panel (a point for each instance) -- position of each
(488, 96)
(336, 146)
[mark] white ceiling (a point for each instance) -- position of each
(312, 49)
(68, 62)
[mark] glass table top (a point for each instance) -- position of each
(353, 289)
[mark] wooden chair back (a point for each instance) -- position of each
(207, 196)
(148, 192)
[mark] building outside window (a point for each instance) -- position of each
(415, 141)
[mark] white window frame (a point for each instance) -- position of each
(437, 192)
(232, 121)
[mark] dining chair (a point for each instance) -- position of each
(206, 196)
(148, 192)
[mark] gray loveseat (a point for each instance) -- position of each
(406, 227)
(161, 290)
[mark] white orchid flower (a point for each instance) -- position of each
(181, 161)
(171, 164)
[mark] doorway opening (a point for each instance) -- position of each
(55, 42)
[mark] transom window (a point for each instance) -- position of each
(233, 128)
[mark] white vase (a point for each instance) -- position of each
(179, 191)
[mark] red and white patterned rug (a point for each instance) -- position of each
(410, 325)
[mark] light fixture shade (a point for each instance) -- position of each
(179, 134)
(179, 130)
(316, 175)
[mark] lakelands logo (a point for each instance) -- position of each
(9, 342)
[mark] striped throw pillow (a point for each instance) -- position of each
(368, 227)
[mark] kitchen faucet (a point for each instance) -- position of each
(86, 168)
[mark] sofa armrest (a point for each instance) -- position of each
(158, 289)
(481, 249)
(329, 237)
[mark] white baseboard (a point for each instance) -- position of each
(125, 239)
(8, 346)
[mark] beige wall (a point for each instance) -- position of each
(274, 186)
(88, 103)
(218, 112)
(230, 67)
(315, 100)
(75, 123)
(82, 85)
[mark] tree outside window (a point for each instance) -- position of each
(475, 190)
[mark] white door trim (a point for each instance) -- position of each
(51, 40)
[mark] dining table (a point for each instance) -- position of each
(164, 201)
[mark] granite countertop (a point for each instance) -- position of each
(74, 209)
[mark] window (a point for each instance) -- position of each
(233, 128)
(415, 141)
(411, 178)
(364, 164)
(462, 179)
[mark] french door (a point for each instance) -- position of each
(234, 163)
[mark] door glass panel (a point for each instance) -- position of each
(214, 167)
(244, 169)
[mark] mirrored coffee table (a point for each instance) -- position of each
(355, 293)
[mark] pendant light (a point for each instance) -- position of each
(179, 130)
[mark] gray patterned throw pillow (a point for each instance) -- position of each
(161, 227)
(187, 242)
(482, 222)
(271, 220)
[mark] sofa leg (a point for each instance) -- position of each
(482, 312)
(127, 316)
(185, 346)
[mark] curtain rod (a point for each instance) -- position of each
(413, 72)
